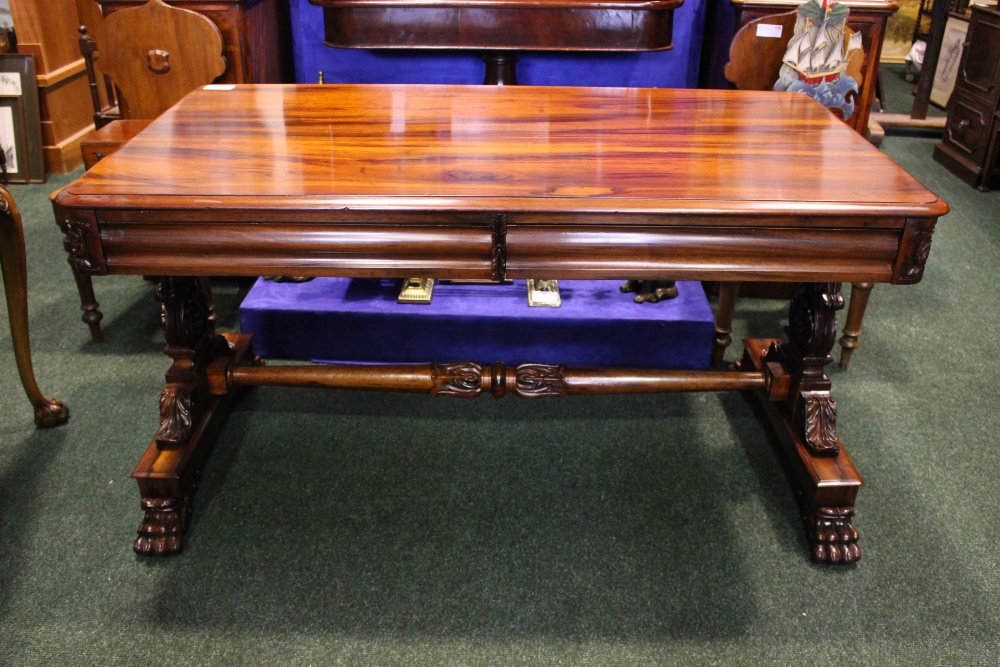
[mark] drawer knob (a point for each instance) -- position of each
(963, 124)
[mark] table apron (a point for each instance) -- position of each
(501, 251)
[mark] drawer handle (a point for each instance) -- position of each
(964, 124)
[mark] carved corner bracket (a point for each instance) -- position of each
(498, 253)
(914, 251)
(81, 242)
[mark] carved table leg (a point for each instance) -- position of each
(191, 413)
(83, 250)
(48, 411)
(824, 477)
(852, 327)
(724, 320)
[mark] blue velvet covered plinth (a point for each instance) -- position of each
(343, 319)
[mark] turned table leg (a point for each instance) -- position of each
(852, 327)
(48, 411)
(724, 320)
(191, 413)
(92, 315)
(501, 68)
(825, 480)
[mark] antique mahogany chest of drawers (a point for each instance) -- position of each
(969, 148)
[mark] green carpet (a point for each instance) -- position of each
(339, 528)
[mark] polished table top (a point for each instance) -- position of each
(610, 160)
(505, 147)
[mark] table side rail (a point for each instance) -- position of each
(484, 245)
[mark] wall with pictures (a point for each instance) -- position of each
(676, 68)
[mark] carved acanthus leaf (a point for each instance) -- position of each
(498, 259)
(920, 250)
(176, 416)
(463, 379)
(76, 241)
(820, 422)
(540, 380)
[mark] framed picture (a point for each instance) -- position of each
(951, 55)
(21, 159)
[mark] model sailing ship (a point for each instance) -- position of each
(818, 54)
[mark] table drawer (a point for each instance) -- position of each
(745, 254)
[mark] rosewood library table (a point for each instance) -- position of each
(497, 183)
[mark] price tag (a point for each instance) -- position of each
(768, 30)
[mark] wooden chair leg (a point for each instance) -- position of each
(852, 327)
(48, 411)
(724, 320)
(88, 304)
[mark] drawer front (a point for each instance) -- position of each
(967, 128)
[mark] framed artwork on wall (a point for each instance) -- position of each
(21, 159)
(951, 54)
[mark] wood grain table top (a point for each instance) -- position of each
(434, 148)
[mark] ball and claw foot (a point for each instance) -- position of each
(162, 529)
(52, 412)
(650, 291)
(833, 539)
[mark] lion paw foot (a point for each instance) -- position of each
(162, 529)
(834, 540)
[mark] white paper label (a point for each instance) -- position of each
(768, 30)
(7, 134)
(10, 84)
(219, 86)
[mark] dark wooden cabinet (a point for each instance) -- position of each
(256, 36)
(969, 146)
(725, 17)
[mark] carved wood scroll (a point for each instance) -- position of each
(468, 380)
(81, 242)
(913, 252)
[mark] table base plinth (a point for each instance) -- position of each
(825, 485)
(168, 476)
